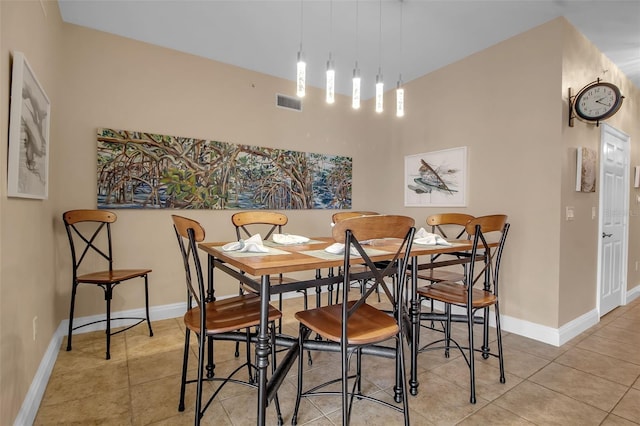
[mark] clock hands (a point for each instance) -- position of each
(600, 102)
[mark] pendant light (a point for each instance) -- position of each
(331, 72)
(301, 69)
(355, 100)
(379, 82)
(399, 88)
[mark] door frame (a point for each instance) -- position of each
(605, 128)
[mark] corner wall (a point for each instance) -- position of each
(27, 276)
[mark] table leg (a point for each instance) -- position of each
(263, 349)
(414, 314)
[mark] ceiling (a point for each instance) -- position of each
(409, 37)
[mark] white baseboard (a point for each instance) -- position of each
(31, 403)
(633, 294)
(29, 409)
(542, 333)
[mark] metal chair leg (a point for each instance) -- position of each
(294, 417)
(73, 303)
(185, 364)
(472, 371)
(107, 295)
(146, 303)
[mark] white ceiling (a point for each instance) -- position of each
(265, 36)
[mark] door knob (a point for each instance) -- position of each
(606, 235)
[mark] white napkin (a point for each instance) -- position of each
(252, 244)
(289, 239)
(427, 238)
(338, 248)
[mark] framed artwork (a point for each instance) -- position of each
(586, 170)
(436, 179)
(29, 120)
(138, 170)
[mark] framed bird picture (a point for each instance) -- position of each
(436, 179)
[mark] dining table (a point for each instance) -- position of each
(254, 268)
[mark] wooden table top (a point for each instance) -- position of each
(311, 255)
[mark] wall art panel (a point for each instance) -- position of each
(145, 170)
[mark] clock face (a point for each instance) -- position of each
(598, 101)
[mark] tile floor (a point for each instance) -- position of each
(592, 380)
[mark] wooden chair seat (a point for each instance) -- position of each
(456, 294)
(110, 277)
(229, 315)
(366, 325)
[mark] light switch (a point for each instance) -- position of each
(593, 212)
(570, 213)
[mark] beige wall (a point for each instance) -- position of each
(27, 263)
(520, 162)
(504, 104)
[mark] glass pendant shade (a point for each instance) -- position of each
(331, 82)
(355, 102)
(379, 94)
(301, 76)
(399, 101)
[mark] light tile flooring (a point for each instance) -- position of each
(592, 380)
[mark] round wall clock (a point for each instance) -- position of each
(597, 101)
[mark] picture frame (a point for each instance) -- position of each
(29, 120)
(436, 179)
(585, 170)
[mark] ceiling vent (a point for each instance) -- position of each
(289, 102)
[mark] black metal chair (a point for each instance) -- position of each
(89, 233)
(355, 326)
(224, 319)
(486, 256)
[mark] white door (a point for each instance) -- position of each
(614, 202)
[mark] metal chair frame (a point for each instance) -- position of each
(473, 299)
(233, 314)
(352, 232)
(107, 280)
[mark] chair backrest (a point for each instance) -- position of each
(337, 217)
(439, 223)
(352, 232)
(86, 230)
(189, 233)
(246, 222)
(485, 232)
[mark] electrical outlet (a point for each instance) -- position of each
(35, 327)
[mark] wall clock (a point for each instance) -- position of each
(595, 102)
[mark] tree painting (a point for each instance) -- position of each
(146, 170)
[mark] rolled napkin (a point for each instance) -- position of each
(338, 248)
(289, 239)
(252, 244)
(426, 238)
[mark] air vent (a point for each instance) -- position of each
(288, 102)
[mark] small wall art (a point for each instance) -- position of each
(437, 179)
(586, 170)
(28, 162)
(147, 170)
